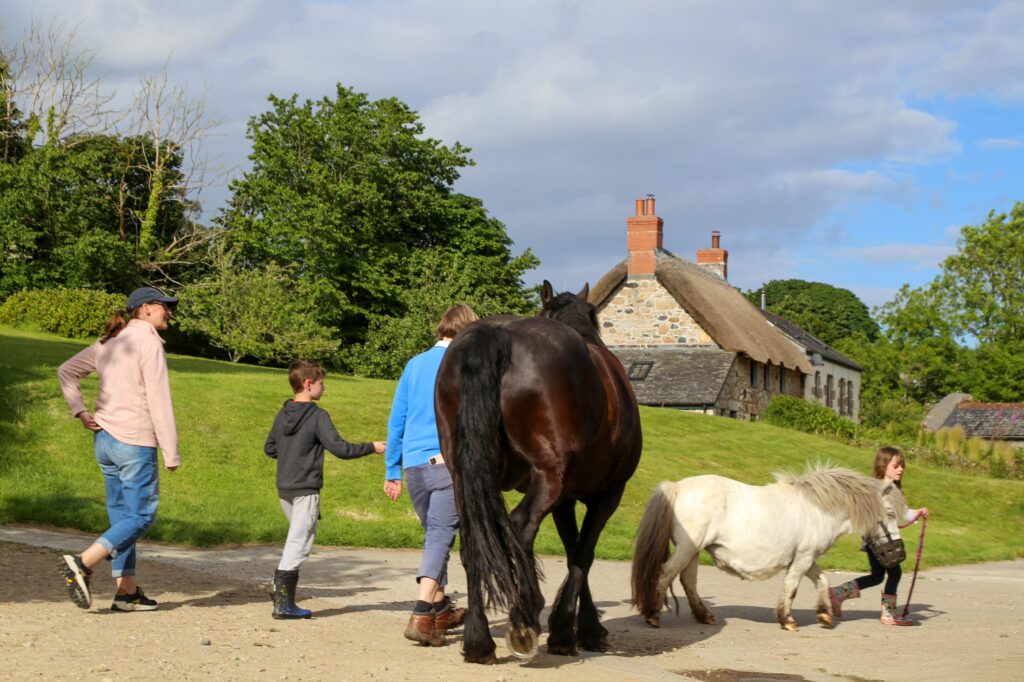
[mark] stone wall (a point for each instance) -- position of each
(741, 400)
(641, 313)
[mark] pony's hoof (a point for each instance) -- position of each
(825, 620)
(654, 621)
(522, 642)
(790, 626)
(710, 620)
(564, 649)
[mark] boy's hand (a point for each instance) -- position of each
(393, 489)
(379, 447)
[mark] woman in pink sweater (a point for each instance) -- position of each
(133, 416)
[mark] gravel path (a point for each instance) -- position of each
(214, 623)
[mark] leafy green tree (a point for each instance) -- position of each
(263, 314)
(981, 288)
(438, 278)
(829, 313)
(349, 191)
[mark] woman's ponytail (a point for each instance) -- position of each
(117, 322)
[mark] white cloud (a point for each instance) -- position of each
(754, 118)
(1001, 143)
(917, 255)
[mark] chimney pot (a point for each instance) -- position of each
(650, 205)
(639, 206)
(715, 237)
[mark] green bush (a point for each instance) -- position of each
(809, 417)
(74, 313)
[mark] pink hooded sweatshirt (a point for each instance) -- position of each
(134, 403)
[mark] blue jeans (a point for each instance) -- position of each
(132, 481)
(433, 498)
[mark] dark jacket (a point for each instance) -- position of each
(297, 440)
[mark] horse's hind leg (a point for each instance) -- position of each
(817, 576)
(590, 634)
(688, 578)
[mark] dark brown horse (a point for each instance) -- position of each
(539, 405)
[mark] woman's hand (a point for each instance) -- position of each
(923, 512)
(88, 422)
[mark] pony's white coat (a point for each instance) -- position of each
(754, 532)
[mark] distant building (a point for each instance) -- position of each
(991, 421)
(687, 338)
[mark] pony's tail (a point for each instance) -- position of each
(496, 563)
(652, 550)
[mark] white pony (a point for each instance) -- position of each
(750, 531)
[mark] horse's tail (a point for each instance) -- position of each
(496, 562)
(652, 550)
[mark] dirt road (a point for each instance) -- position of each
(214, 623)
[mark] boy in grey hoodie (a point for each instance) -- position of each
(297, 441)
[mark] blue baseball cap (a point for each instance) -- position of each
(148, 295)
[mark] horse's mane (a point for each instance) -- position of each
(840, 491)
(576, 312)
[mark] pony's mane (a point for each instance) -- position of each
(839, 491)
(578, 313)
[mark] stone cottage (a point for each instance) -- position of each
(836, 379)
(686, 337)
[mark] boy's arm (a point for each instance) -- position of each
(270, 447)
(334, 443)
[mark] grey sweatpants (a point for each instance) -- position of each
(302, 512)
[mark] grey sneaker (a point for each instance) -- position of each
(133, 602)
(76, 579)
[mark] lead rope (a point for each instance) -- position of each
(917, 564)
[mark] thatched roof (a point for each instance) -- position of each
(678, 377)
(721, 310)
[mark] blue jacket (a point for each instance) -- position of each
(412, 427)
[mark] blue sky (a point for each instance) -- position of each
(836, 142)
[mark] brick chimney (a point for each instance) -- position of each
(715, 259)
(644, 238)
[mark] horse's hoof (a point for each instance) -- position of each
(825, 620)
(710, 620)
(790, 626)
(485, 659)
(522, 642)
(599, 644)
(561, 649)
(654, 621)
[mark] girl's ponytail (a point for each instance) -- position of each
(117, 322)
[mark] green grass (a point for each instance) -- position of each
(224, 493)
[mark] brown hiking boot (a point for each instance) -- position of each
(450, 617)
(423, 629)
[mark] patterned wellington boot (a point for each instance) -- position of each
(840, 593)
(889, 616)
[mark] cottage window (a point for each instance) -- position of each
(842, 397)
(767, 372)
(830, 390)
(753, 374)
(639, 370)
(817, 385)
(782, 379)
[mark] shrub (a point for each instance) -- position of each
(976, 449)
(807, 416)
(955, 440)
(74, 313)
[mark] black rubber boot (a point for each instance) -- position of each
(283, 595)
